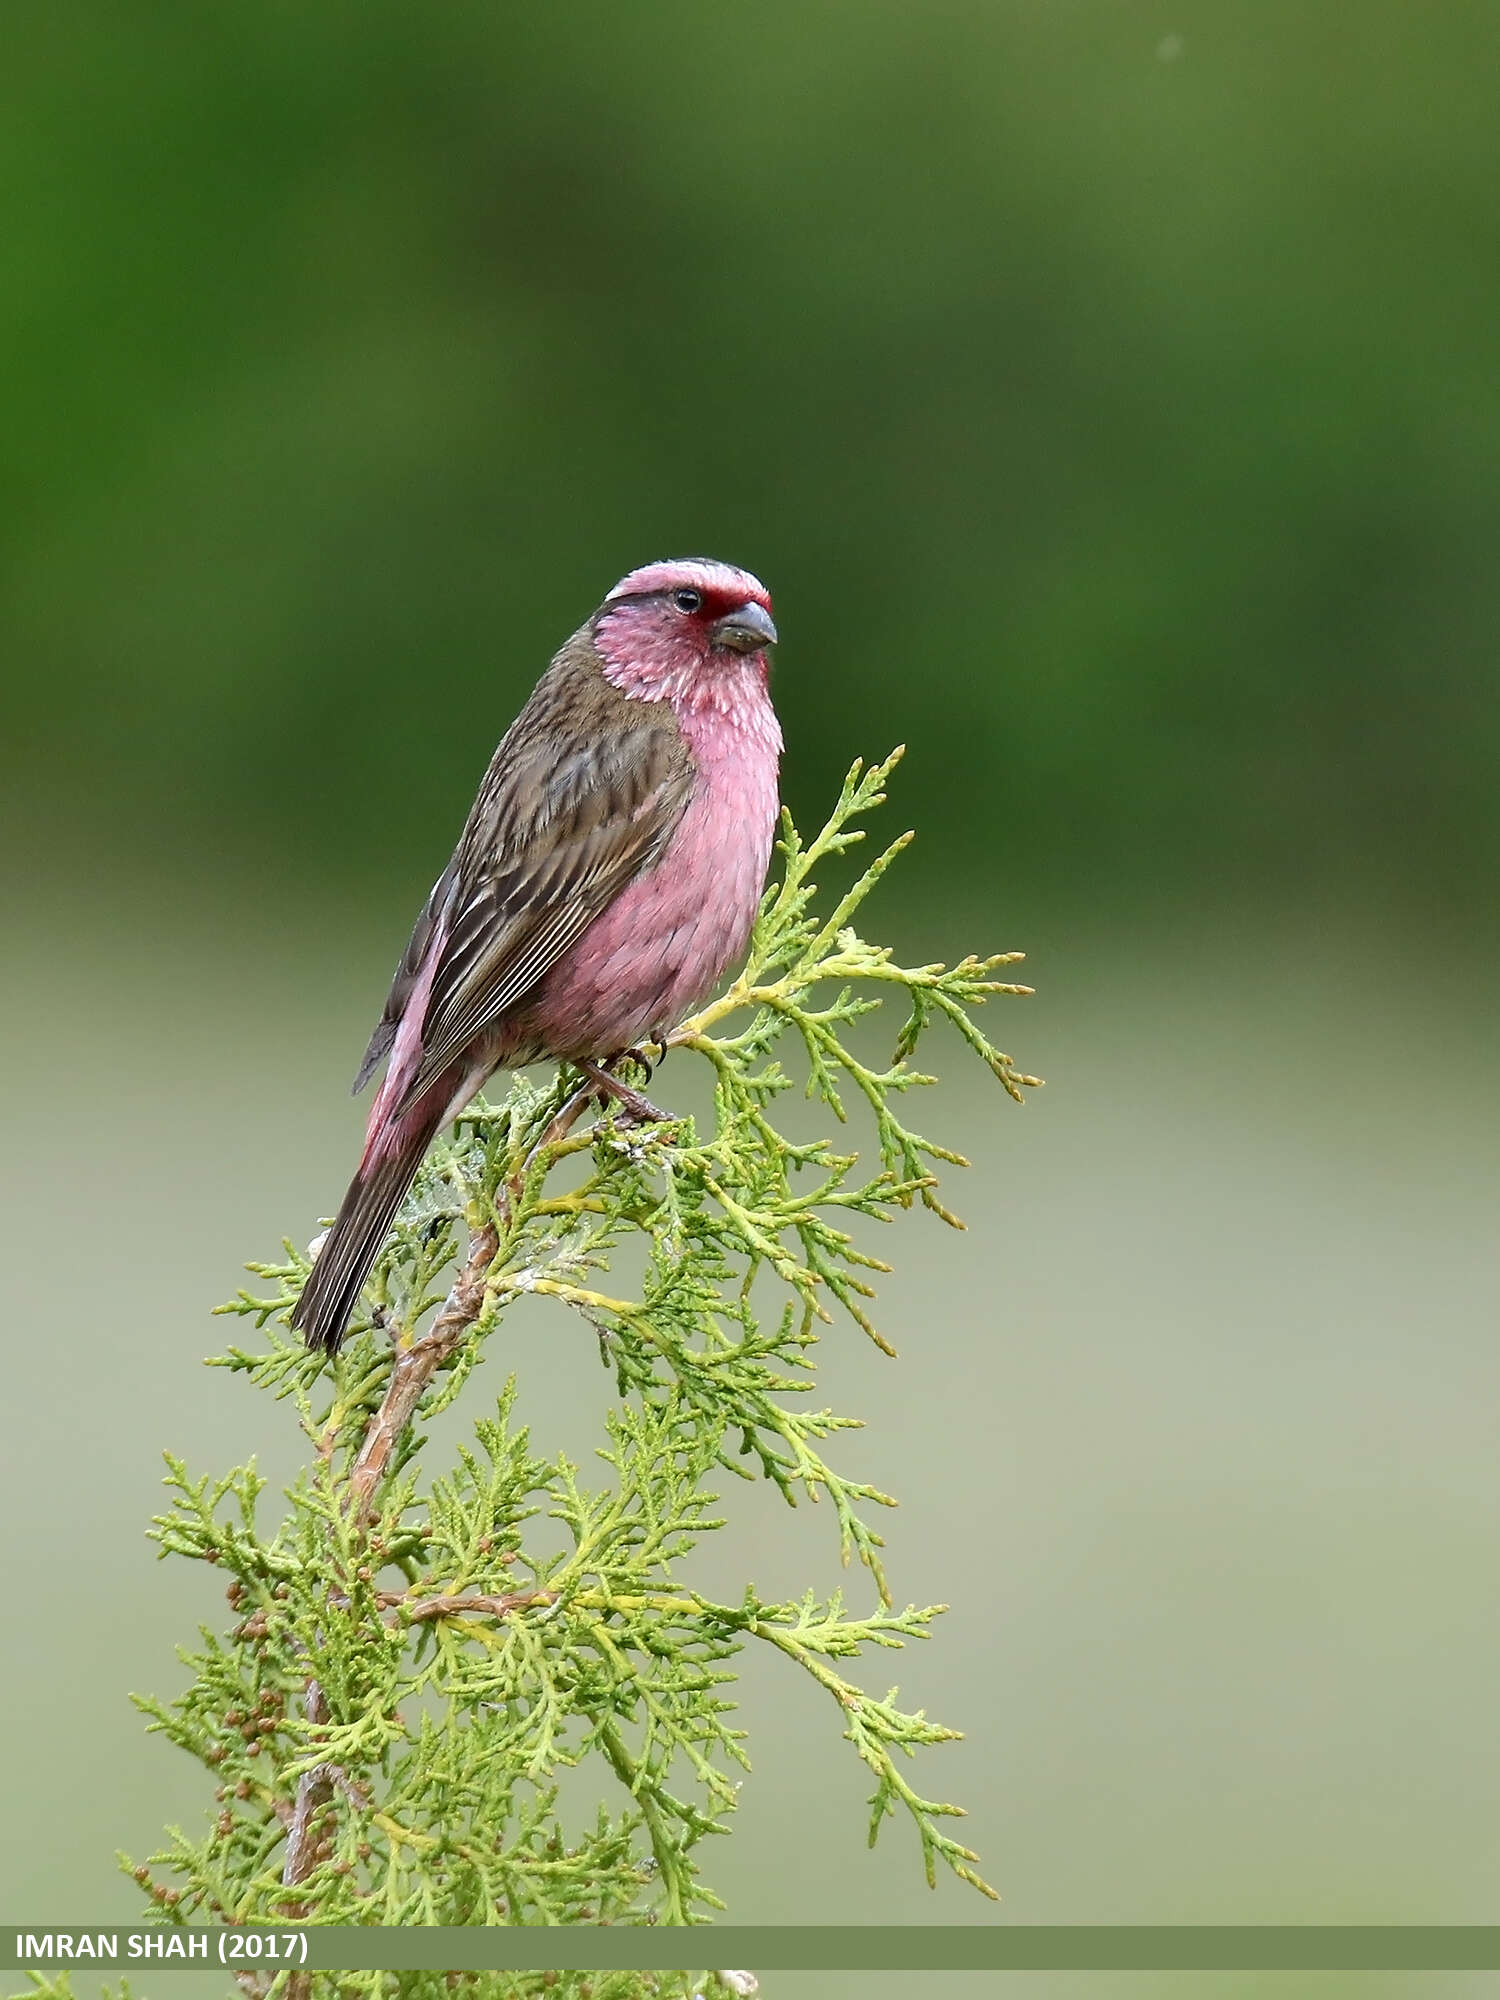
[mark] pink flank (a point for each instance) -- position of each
(665, 942)
(383, 1136)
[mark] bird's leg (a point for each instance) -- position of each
(636, 1107)
(650, 1063)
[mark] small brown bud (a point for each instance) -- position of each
(243, 1789)
(210, 1555)
(253, 1750)
(142, 1875)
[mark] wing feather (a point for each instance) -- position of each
(582, 796)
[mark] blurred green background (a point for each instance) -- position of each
(1109, 395)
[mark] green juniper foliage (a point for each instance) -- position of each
(416, 1656)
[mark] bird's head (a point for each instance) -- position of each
(690, 631)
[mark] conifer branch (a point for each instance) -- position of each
(417, 1656)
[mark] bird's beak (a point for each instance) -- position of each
(745, 629)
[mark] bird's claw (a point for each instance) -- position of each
(639, 1055)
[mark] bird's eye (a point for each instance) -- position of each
(688, 600)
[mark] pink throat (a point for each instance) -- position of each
(721, 699)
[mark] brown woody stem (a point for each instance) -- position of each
(427, 1608)
(304, 1839)
(414, 1368)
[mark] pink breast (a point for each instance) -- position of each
(665, 943)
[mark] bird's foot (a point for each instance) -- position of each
(638, 1108)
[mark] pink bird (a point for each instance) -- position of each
(607, 878)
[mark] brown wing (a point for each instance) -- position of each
(581, 797)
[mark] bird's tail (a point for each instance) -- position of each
(367, 1212)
